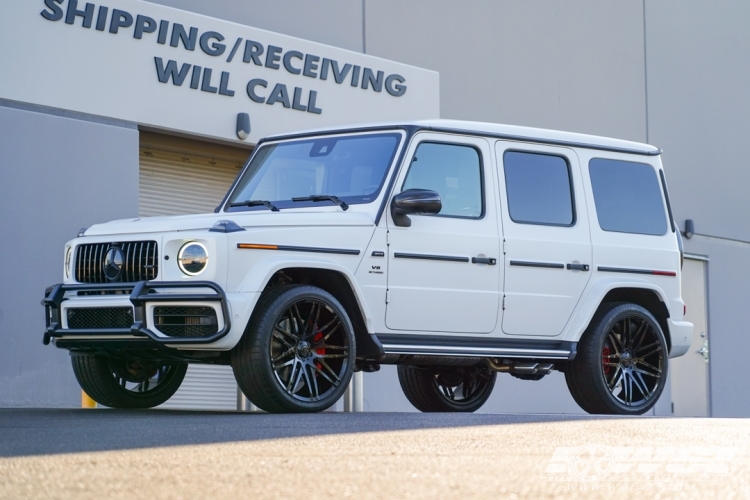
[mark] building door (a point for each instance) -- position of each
(689, 373)
(181, 176)
(443, 272)
(547, 240)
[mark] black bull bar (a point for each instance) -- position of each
(140, 293)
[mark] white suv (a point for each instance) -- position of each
(454, 250)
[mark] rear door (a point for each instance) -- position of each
(435, 283)
(547, 242)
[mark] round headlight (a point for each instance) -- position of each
(68, 253)
(192, 258)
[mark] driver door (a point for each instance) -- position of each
(445, 270)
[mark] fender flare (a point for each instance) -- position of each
(265, 268)
(593, 297)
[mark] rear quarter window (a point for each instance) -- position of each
(628, 197)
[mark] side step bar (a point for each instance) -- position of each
(437, 345)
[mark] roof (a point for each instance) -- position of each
(511, 132)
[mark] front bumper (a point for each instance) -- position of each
(141, 294)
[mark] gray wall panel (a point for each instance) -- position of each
(699, 106)
(56, 176)
(333, 22)
(575, 66)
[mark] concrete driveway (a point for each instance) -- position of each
(177, 454)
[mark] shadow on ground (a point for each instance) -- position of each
(51, 431)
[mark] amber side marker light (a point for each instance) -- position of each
(255, 246)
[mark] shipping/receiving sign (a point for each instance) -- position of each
(172, 69)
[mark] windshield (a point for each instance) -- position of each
(351, 168)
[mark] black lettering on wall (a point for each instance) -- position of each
(256, 82)
(311, 65)
(144, 24)
(163, 32)
(101, 19)
(273, 57)
(296, 101)
(279, 94)
(206, 85)
(369, 78)
(395, 90)
(54, 13)
(120, 19)
(355, 76)
(253, 51)
(288, 61)
(212, 49)
(324, 68)
(164, 74)
(87, 14)
(311, 103)
(195, 80)
(340, 76)
(179, 33)
(224, 85)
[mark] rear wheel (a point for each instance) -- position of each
(127, 383)
(298, 352)
(621, 366)
(446, 389)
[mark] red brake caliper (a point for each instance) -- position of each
(320, 350)
(605, 359)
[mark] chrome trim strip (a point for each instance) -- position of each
(476, 351)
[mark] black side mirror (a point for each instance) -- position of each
(414, 202)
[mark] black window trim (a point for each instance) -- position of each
(666, 198)
(664, 191)
(482, 183)
(573, 201)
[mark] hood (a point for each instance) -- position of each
(245, 219)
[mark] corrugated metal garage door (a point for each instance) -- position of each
(182, 176)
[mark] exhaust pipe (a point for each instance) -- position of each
(520, 368)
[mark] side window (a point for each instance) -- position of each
(539, 189)
(455, 172)
(627, 197)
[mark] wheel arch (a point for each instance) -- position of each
(342, 286)
(644, 294)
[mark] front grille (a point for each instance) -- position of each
(140, 261)
(93, 318)
(185, 321)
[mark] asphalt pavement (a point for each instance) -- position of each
(46, 453)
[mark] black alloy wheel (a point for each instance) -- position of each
(127, 383)
(298, 353)
(621, 367)
(447, 389)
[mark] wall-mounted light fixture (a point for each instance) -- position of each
(243, 125)
(689, 228)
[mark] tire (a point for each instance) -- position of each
(298, 352)
(120, 383)
(621, 365)
(435, 389)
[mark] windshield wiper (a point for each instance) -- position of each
(324, 197)
(256, 203)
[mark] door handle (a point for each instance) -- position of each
(578, 267)
(484, 260)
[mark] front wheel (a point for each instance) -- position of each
(446, 389)
(127, 383)
(621, 366)
(298, 352)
